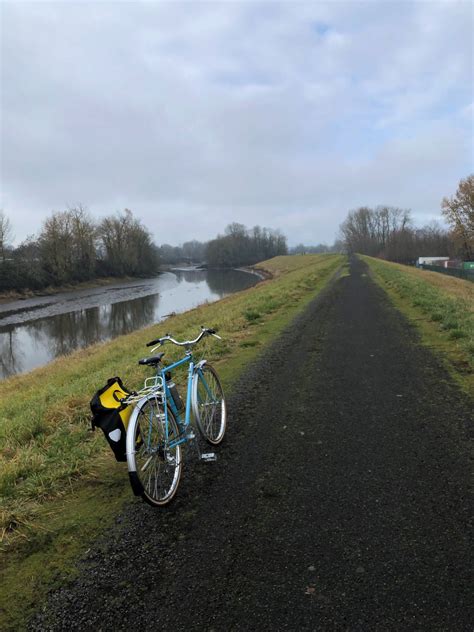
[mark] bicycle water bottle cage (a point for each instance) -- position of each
(152, 360)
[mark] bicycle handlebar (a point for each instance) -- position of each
(205, 331)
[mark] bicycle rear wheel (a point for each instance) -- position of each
(209, 404)
(154, 460)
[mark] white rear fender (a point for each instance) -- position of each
(130, 443)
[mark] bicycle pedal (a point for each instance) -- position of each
(208, 456)
(190, 435)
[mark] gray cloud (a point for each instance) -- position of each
(197, 114)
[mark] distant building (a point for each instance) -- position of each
(431, 261)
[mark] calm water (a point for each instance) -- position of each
(35, 331)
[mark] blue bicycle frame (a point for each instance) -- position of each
(169, 401)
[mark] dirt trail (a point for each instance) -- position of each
(339, 501)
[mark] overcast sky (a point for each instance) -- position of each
(196, 114)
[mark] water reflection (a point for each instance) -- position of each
(33, 341)
(130, 315)
(63, 333)
(224, 282)
(10, 357)
(221, 282)
(190, 276)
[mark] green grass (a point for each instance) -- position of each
(441, 307)
(59, 485)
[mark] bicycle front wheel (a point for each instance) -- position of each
(209, 404)
(154, 458)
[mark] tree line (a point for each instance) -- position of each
(388, 232)
(241, 246)
(319, 249)
(190, 252)
(71, 247)
(238, 246)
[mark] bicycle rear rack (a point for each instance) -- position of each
(153, 385)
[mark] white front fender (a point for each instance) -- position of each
(130, 442)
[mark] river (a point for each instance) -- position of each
(35, 331)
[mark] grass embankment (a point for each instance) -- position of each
(59, 484)
(442, 308)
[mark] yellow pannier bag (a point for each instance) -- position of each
(111, 415)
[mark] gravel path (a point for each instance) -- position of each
(339, 500)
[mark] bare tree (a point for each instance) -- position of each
(385, 231)
(370, 231)
(83, 243)
(67, 246)
(459, 213)
(126, 247)
(56, 243)
(28, 266)
(6, 234)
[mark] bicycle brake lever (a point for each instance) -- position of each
(216, 336)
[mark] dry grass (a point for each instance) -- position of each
(441, 307)
(449, 285)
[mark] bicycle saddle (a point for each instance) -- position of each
(152, 360)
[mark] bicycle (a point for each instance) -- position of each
(160, 423)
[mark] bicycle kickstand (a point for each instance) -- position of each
(205, 457)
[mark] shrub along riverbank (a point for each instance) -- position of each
(441, 307)
(59, 485)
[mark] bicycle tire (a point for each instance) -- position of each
(154, 469)
(208, 404)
